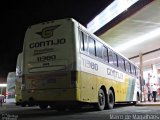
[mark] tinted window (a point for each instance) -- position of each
(98, 49)
(138, 73)
(105, 54)
(91, 46)
(112, 57)
(115, 59)
(84, 42)
(128, 66)
(137, 70)
(121, 62)
(133, 71)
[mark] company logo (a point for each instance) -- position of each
(48, 31)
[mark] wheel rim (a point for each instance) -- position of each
(111, 100)
(101, 99)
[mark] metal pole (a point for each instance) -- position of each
(141, 80)
(1, 90)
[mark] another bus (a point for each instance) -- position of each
(65, 66)
(10, 89)
(19, 79)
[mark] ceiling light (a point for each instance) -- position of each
(3, 85)
(139, 40)
(109, 13)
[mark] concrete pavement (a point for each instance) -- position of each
(147, 103)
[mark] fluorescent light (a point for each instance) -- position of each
(139, 40)
(149, 60)
(3, 85)
(109, 13)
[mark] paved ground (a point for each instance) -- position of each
(148, 103)
(120, 112)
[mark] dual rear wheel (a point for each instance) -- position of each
(105, 101)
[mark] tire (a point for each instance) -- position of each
(110, 100)
(101, 100)
(17, 103)
(52, 107)
(60, 108)
(23, 104)
(43, 107)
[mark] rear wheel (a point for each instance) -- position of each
(52, 106)
(43, 106)
(60, 108)
(23, 104)
(110, 99)
(101, 100)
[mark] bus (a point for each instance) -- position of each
(66, 66)
(19, 73)
(18, 86)
(10, 89)
(3, 92)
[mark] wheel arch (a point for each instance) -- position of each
(112, 89)
(104, 89)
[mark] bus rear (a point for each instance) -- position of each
(49, 63)
(10, 90)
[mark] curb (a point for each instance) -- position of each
(8, 104)
(148, 104)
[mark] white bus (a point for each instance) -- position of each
(10, 89)
(19, 79)
(65, 66)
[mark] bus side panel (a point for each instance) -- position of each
(131, 88)
(92, 78)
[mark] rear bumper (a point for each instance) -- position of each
(49, 95)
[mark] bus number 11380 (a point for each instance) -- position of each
(89, 64)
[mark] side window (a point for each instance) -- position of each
(128, 66)
(121, 62)
(91, 46)
(112, 57)
(84, 41)
(115, 59)
(105, 54)
(98, 49)
(133, 69)
(137, 72)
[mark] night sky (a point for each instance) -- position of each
(16, 16)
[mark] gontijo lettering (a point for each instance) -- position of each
(114, 73)
(47, 43)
